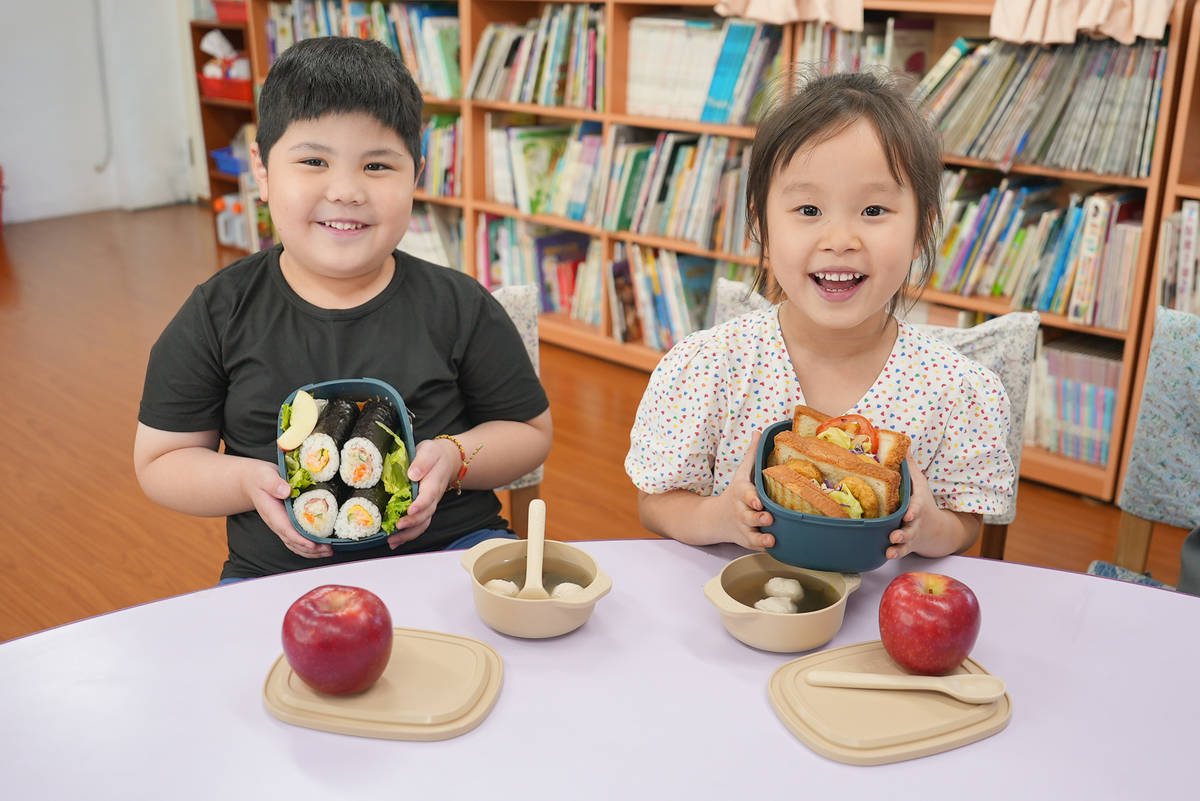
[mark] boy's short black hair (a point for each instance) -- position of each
(339, 75)
(819, 108)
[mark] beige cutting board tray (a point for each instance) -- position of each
(436, 686)
(874, 727)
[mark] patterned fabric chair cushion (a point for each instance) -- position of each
(1163, 474)
(732, 299)
(1005, 345)
(523, 304)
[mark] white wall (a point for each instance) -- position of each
(53, 137)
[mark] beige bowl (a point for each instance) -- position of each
(528, 617)
(777, 631)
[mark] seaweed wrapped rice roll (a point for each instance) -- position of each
(320, 453)
(361, 514)
(362, 455)
(316, 508)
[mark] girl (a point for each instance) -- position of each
(842, 196)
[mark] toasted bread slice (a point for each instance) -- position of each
(793, 491)
(893, 446)
(836, 463)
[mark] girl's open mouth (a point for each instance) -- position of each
(837, 282)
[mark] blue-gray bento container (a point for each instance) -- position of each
(836, 544)
(353, 389)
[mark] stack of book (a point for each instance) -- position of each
(435, 235)
(426, 35)
(1073, 396)
(1089, 106)
(556, 59)
(564, 265)
(1179, 252)
(705, 68)
(901, 44)
(522, 162)
(678, 185)
(440, 140)
(1015, 239)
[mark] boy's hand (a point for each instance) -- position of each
(434, 465)
(745, 508)
(266, 490)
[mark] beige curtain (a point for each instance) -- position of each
(1057, 21)
(845, 14)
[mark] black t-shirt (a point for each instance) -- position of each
(244, 340)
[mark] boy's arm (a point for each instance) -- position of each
(183, 471)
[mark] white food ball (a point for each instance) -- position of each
(780, 587)
(565, 589)
(501, 587)
(773, 603)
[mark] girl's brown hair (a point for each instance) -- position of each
(821, 108)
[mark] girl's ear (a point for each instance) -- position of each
(260, 171)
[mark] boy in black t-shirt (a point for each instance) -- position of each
(336, 158)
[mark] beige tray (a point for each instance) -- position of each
(874, 727)
(436, 686)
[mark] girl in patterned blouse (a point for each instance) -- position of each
(843, 197)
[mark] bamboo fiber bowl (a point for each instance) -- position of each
(777, 631)
(529, 617)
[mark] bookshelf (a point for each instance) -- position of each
(221, 117)
(1181, 182)
(950, 20)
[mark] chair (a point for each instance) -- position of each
(1162, 478)
(731, 299)
(523, 305)
(1005, 345)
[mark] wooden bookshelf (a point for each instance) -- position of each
(951, 19)
(1181, 182)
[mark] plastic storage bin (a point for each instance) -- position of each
(230, 10)
(226, 89)
(227, 162)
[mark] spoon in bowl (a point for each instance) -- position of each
(535, 544)
(971, 688)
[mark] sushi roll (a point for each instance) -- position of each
(316, 508)
(320, 453)
(362, 455)
(361, 514)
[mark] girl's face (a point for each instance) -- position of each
(842, 233)
(340, 189)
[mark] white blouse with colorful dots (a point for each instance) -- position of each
(713, 390)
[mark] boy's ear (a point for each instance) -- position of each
(417, 174)
(260, 171)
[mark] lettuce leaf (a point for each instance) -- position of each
(397, 507)
(298, 476)
(285, 416)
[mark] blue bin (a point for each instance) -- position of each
(826, 543)
(227, 162)
(353, 389)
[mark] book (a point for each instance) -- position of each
(551, 250)
(534, 151)
(737, 36)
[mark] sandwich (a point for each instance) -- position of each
(836, 466)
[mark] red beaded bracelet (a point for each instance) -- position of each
(456, 484)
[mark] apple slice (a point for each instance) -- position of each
(304, 420)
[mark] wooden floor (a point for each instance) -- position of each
(81, 301)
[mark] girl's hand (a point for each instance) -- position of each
(434, 465)
(745, 508)
(927, 530)
(266, 490)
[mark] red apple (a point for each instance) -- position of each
(928, 622)
(338, 639)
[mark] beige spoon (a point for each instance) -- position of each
(971, 688)
(536, 544)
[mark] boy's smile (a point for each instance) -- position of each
(340, 191)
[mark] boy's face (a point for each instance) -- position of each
(340, 190)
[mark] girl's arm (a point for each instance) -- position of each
(185, 472)
(927, 530)
(734, 516)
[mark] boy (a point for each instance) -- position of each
(336, 159)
